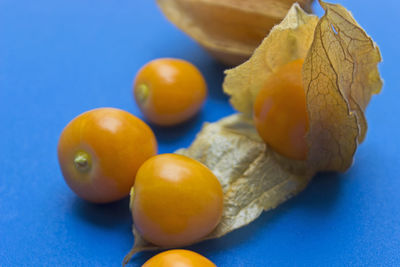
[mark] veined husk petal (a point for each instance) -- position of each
(340, 75)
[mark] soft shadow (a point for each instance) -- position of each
(141, 257)
(104, 215)
(318, 198)
(321, 194)
(174, 133)
(218, 245)
(240, 235)
(214, 75)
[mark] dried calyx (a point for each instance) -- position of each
(339, 74)
(229, 29)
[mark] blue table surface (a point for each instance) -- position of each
(61, 58)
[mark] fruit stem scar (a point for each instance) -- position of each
(82, 161)
(142, 92)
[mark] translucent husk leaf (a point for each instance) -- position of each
(288, 41)
(253, 177)
(340, 75)
(229, 29)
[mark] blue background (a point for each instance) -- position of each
(61, 58)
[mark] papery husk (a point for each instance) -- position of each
(340, 75)
(288, 41)
(229, 29)
(253, 176)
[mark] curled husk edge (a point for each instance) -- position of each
(229, 30)
(340, 75)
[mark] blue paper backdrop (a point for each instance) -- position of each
(61, 58)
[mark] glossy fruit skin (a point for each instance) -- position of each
(178, 258)
(280, 112)
(176, 201)
(116, 142)
(169, 91)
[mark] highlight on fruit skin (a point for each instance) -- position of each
(280, 112)
(100, 151)
(337, 93)
(178, 258)
(169, 91)
(176, 201)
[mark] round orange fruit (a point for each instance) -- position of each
(176, 200)
(100, 152)
(169, 91)
(178, 258)
(280, 112)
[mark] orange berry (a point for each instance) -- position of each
(280, 112)
(100, 152)
(178, 258)
(176, 200)
(169, 91)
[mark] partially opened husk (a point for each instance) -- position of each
(229, 29)
(254, 178)
(340, 75)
